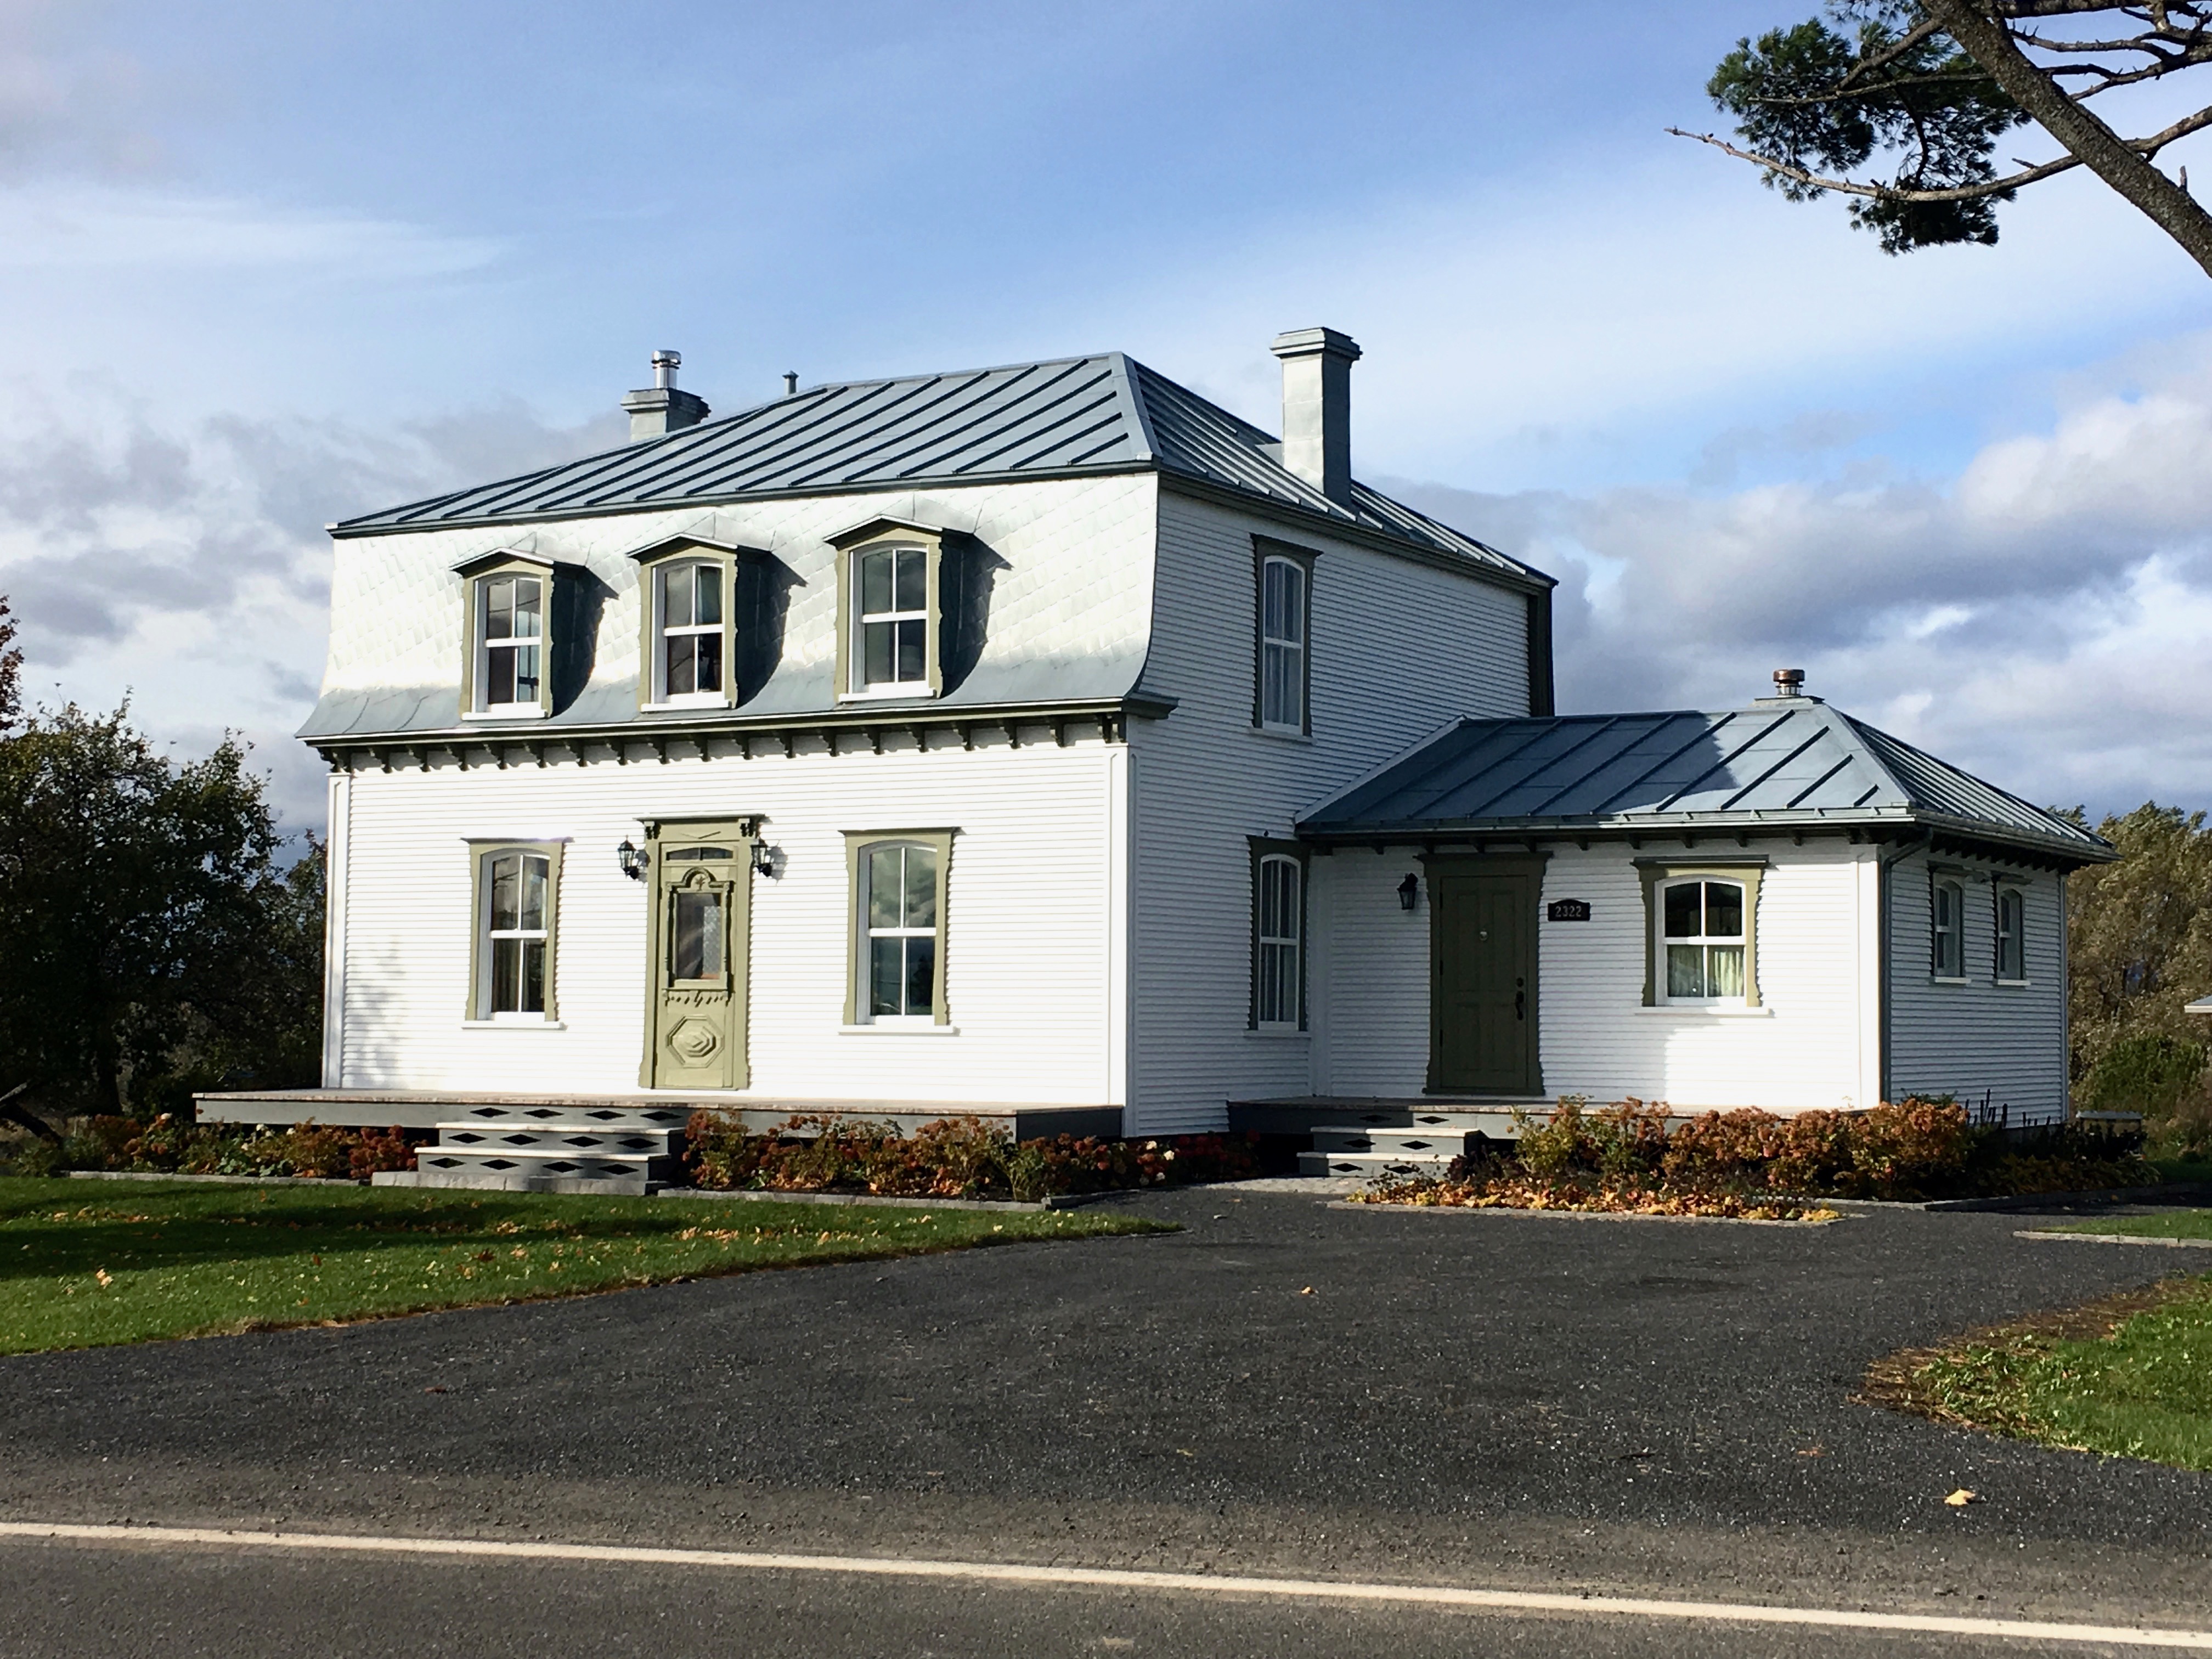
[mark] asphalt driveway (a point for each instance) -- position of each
(1644, 1406)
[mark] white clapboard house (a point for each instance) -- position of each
(1047, 742)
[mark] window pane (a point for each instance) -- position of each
(709, 580)
(913, 579)
(682, 664)
(912, 637)
(884, 884)
(1281, 689)
(499, 675)
(676, 597)
(1683, 917)
(527, 623)
(695, 940)
(531, 912)
(505, 891)
(533, 976)
(523, 671)
(921, 975)
(1686, 976)
(507, 975)
(876, 654)
(886, 965)
(499, 608)
(1724, 970)
(694, 855)
(1723, 910)
(708, 676)
(875, 583)
(1293, 627)
(921, 887)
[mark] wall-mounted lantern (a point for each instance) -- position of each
(1409, 891)
(764, 860)
(632, 860)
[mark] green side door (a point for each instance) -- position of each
(1482, 980)
(697, 944)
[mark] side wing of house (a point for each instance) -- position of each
(1396, 647)
(1977, 984)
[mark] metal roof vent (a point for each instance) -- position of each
(1789, 682)
(659, 408)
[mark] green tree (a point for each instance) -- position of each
(11, 670)
(1936, 83)
(2139, 942)
(149, 941)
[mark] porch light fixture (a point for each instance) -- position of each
(1409, 890)
(763, 858)
(632, 860)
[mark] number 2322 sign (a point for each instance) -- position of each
(1567, 910)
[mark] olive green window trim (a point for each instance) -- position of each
(1264, 548)
(480, 853)
(474, 574)
(650, 566)
(856, 841)
(876, 537)
(1261, 848)
(1657, 872)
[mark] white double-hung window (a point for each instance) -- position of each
(1282, 665)
(891, 620)
(1947, 930)
(517, 889)
(510, 644)
(1701, 923)
(1278, 943)
(2012, 936)
(898, 973)
(689, 612)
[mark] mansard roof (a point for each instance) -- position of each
(1784, 763)
(1069, 417)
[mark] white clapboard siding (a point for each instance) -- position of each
(1031, 947)
(1399, 648)
(1812, 1045)
(2004, 1045)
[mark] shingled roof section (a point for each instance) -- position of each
(1078, 415)
(1782, 764)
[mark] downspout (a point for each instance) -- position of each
(1882, 966)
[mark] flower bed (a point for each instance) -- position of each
(953, 1158)
(174, 1145)
(1635, 1157)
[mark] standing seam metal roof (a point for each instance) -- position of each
(1105, 413)
(1789, 761)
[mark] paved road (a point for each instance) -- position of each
(1510, 1401)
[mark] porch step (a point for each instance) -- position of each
(1372, 1166)
(1398, 1143)
(613, 1149)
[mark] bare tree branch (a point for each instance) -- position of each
(1891, 192)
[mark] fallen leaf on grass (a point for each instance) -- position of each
(1961, 1499)
(1307, 1291)
(1812, 1451)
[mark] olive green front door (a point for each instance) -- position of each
(700, 873)
(1482, 980)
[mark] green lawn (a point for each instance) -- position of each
(87, 1263)
(2134, 1379)
(2174, 1224)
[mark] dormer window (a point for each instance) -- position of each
(889, 630)
(688, 592)
(506, 671)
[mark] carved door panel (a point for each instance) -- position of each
(696, 970)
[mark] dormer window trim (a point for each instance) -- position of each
(878, 544)
(672, 577)
(499, 587)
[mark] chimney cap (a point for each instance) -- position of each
(1789, 682)
(1312, 341)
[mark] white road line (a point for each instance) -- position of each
(1007, 1573)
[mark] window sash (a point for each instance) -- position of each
(510, 634)
(1704, 936)
(890, 587)
(517, 932)
(2012, 953)
(1280, 933)
(1948, 936)
(1282, 644)
(689, 617)
(900, 919)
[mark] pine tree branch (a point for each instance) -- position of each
(2029, 175)
(2103, 152)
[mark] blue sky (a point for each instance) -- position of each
(262, 266)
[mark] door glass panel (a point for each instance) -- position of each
(695, 948)
(694, 855)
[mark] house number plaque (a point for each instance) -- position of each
(1567, 910)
